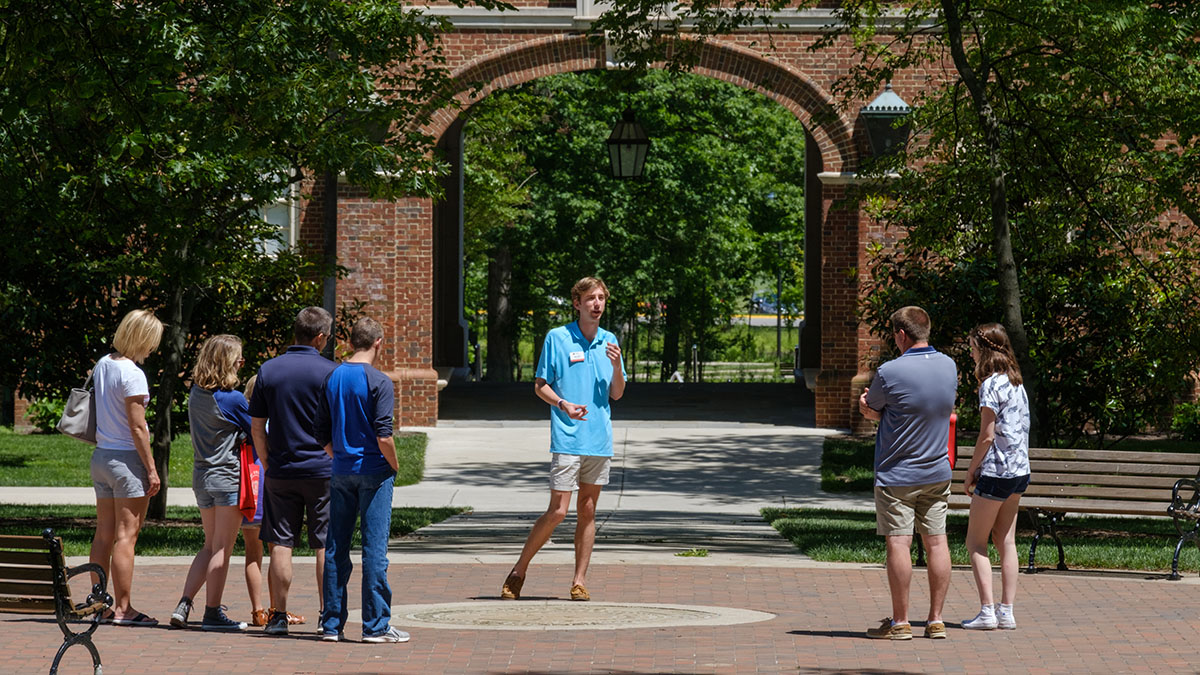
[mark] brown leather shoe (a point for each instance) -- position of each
(512, 587)
(578, 592)
(259, 617)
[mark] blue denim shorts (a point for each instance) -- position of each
(206, 499)
(1000, 489)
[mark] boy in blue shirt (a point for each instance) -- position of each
(580, 369)
(354, 422)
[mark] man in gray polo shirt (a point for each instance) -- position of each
(912, 398)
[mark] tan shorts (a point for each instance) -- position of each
(898, 507)
(568, 471)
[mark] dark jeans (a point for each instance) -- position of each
(350, 497)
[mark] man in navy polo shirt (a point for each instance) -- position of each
(912, 398)
(296, 488)
(580, 369)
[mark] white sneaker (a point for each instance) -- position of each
(1005, 620)
(982, 621)
(392, 635)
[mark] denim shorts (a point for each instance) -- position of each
(206, 499)
(1000, 489)
(118, 474)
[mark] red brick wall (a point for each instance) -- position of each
(389, 247)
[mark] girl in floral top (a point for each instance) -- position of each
(999, 472)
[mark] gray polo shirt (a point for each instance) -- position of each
(915, 393)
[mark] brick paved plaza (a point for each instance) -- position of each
(1068, 623)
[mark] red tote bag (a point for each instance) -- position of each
(248, 485)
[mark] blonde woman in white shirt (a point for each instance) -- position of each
(122, 467)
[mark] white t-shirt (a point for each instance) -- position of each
(1009, 455)
(115, 380)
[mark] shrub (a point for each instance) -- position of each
(45, 413)
(1186, 421)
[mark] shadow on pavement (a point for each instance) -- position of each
(760, 403)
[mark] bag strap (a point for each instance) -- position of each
(87, 383)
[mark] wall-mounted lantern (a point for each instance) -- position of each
(880, 116)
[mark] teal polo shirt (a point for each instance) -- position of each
(581, 372)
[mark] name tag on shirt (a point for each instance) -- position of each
(576, 357)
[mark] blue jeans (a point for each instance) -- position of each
(349, 497)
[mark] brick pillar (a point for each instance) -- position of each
(848, 350)
(388, 248)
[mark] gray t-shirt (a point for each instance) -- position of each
(915, 393)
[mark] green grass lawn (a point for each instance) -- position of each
(54, 460)
(179, 534)
(1102, 543)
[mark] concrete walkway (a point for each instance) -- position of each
(676, 486)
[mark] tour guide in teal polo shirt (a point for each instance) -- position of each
(579, 371)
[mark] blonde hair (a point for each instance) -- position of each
(250, 386)
(138, 335)
(585, 285)
(995, 353)
(217, 365)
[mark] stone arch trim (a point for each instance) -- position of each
(809, 102)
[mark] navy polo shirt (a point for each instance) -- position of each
(288, 392)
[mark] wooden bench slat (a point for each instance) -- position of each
(23, 542)
(1062, 478)
(1078, 506)
(1070, 454)
(1126, 468)
(25, 558)
(10, 573)
(27, 588)
(27, 606)
(1089, 492)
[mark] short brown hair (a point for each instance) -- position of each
(584, 285)
(311, 322)
(364, 334)
(914, 321)
(138, 335)
(995, 353)
(217, 365)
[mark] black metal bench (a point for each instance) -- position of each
(33, 580)
(1100, 482)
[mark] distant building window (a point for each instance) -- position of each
(284, 215)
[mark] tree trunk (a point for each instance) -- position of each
(179, 316)
(670, 353)
(1009, 285)
(500, 319)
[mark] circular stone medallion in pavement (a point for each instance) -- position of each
(566, 615)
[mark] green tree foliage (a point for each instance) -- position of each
(720, 204)
(1053, 184)
(140, 141)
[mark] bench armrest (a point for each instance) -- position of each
(1181, 508)
(99, 599)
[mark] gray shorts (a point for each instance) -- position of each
(568, 471)
(206, 499)
(118, 474)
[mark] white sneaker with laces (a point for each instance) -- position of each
(392, 635)
(1005, 620)
(984, 620)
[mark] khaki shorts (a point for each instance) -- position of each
(898, 507)
(568, 471)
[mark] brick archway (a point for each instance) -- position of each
(396, 250)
